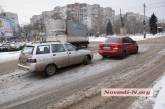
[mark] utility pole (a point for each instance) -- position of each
(163, 26)
(144, 22)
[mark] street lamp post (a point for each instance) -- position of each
(144, 22)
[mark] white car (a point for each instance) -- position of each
(50, 56)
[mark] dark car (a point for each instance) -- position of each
(7, 47)
(119, 46)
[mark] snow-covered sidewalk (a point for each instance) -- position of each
(157, 101)
(9, 56)
(160, 99)
(134, 37)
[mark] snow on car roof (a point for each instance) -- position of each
(43, 43)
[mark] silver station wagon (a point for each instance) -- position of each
(50, 56)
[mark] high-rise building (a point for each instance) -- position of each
(35, 19)
(93, 16)
(77, 11)
(108, 14)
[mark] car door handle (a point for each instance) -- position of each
(54, 54)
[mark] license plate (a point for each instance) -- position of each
(106, 48)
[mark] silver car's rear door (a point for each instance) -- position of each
(43, 56)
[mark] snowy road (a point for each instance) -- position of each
(79, 86)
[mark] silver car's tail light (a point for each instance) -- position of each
(31, 60)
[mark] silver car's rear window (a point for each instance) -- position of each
(28, 49)
(43, 49)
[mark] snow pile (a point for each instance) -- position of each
(148, 36)
(160, 99)
(9, 56)
(134, 37)
(96, 39)
(157, 101)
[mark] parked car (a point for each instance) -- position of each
(10, 46)
(50, 56)
(2, 47)
(119, 46)
(5, 47)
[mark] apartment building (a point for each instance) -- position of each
(93, 16)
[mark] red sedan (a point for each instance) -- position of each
(118, 46)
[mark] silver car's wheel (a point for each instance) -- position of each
(50, 70)
(87, 60)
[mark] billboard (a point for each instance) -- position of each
(6, 28)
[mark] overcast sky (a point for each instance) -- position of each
(26, 8)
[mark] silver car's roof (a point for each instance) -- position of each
(44, 43)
